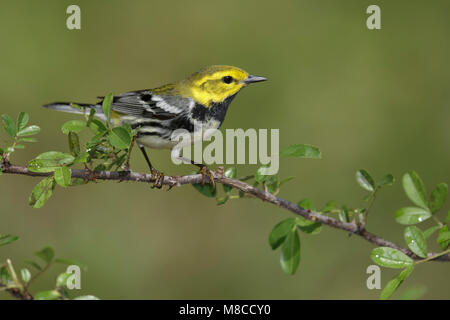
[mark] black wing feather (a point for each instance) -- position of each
(140, 104)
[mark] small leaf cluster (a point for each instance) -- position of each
(416, 239)
(19, 132)
(286, 235)
(107, 149)
(270, 183)
(365, 180)
(10, 279)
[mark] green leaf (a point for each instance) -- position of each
(128, 127)
(9, 126)
(308, 226)
(307, 204)
(70, 262)
(63, 176)
(428, 232)
(229, 173)
(106, 107)
(438, 197)
(301, 151)
(25, 274)
(47, 254)
(7, 239)
(33, 264)
(27, 139)
(415, 240)
(393, 284)
(48, 295)
(391, 258)
(411, 215)
(20, 146)
(413, 293)
(287, 179)
(223, 200)
(415, 189)
(49, 161)
(290, 253)
(28, 131)
(97, 126)
(447, 219)
(343, 215)
(87, 297)
(329, 206)
(82, 158)
(92, 112)
(120, 138)
(42, 192)
(280, 231)
(74, 143)
(22, 120)
(73, 126)
(61, 280)
(4, 275)
(272, 184)
(259, 175)
(206, 189)
(365, 180)
(387, 180)
(444, 238)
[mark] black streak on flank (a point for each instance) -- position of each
(146, 97)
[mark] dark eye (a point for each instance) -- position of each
(227, 79)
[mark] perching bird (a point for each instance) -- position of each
(197, 102)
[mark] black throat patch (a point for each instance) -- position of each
(216, 111)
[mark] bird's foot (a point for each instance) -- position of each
(207, 174)
(360, 227)
(159, 178)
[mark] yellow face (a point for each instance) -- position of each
(216, 83)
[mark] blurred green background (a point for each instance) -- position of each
(378, 100)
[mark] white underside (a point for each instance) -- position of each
(155, 142)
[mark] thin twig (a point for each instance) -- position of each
(218, 176)
(18, 291)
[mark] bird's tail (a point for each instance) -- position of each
(68, 107)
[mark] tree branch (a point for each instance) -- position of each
(219, 177)
(16, 293)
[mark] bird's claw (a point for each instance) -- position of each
(207, 173)
(359, 228)
(159, 178)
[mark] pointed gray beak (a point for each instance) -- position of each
(251, 79)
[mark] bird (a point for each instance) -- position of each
(197, 102)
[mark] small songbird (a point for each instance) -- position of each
(198, 102)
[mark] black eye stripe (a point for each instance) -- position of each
(227, 79)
